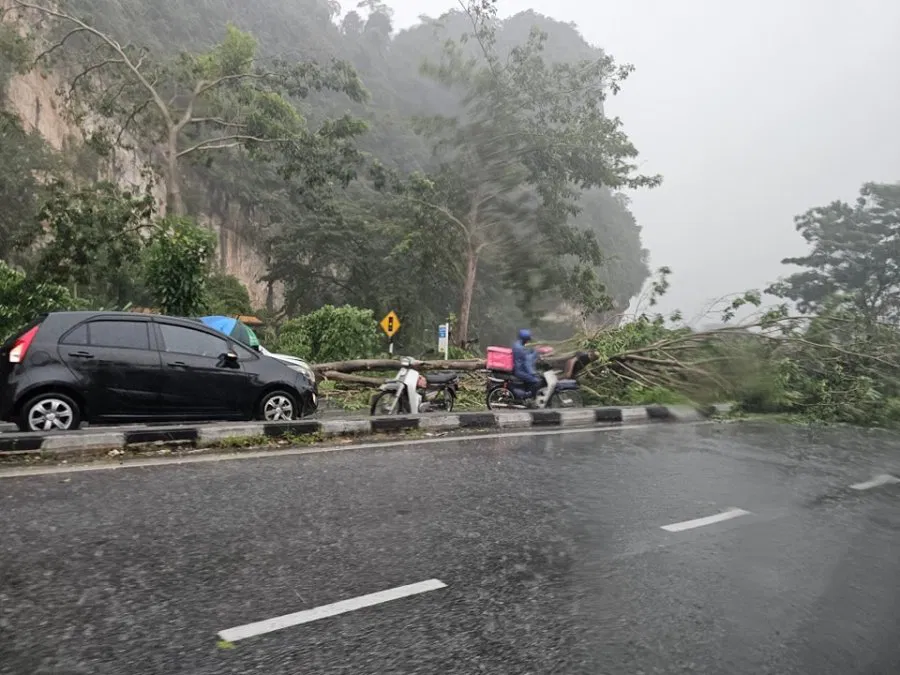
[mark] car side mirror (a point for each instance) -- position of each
(230, 357)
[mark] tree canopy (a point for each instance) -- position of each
(269, 115)
(464, 170)
(854, 256)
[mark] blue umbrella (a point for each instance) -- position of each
(233, 328)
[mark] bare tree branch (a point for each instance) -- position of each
(115, 46)
(204, 87)
(225, 142)
(134, 113)
(57, 45)
(216, 120)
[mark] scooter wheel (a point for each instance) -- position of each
(385, 401)
(501, 398)
(449, 400)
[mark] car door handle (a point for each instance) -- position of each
(178, 364)
(81, 355)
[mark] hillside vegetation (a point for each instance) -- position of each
(337, 210)
(464, 169)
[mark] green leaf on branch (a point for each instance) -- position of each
(23, 298)
(177, 264)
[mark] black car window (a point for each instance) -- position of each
(76, 336)
(119, 334)
(181, 340)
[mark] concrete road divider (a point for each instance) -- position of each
(234, 434)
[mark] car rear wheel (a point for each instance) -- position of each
(278, 406)
(50, 412)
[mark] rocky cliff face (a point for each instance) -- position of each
(34, 99)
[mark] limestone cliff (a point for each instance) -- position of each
(33, 97)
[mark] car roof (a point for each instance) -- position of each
(78, 316)
(89, 314)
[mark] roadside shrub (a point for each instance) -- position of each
(22, 299)
(176, 265)
(226, 295)
(331, 334)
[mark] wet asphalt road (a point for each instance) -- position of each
(551, 548)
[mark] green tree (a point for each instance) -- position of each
(177, 265)
(22, 298)
(94, 239)
(327, 244)
(624, 269)
(855, 256)
(197, 103)
(532, 135)
(330, 334)
(23, 158)
(226, 295)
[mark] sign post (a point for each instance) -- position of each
(390, 324)
(444, 340)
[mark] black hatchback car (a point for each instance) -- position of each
(70, 367)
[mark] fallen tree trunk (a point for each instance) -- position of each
(394, 364)
(352, 379)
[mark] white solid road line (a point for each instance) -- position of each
(708, 520)
(878, 481)
(325, 611)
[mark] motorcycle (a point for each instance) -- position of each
(505, 390)
(409, 391)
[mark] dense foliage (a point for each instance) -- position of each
(331, 334)
(22, 158)
(23, 298)
(528, 137)
(855, 256)
(239, 120)
(178, 262)
(93, 241)
(838, 360)
(462, 170)
(227, 296)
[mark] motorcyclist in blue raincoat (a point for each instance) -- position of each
(524, 358)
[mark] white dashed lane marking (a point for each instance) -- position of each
(878, 481)
(708, 520)
(325, 611)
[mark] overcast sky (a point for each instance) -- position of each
(752, 111)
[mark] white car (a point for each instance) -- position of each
(292, 362)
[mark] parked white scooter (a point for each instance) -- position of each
(409, 391)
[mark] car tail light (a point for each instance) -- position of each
(21, 345)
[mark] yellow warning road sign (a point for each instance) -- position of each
(390, 324)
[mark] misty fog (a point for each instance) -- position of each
(753, 113)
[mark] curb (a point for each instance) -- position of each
(63, 444)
